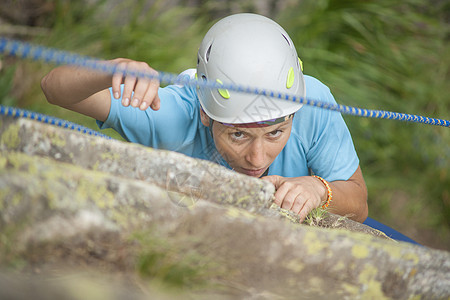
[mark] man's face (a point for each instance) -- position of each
(251, 150)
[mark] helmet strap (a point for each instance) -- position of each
(210, 128)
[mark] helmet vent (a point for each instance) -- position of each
(286, 39)
(208, 52)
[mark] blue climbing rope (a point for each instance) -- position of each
(48, 55)
(22, 113)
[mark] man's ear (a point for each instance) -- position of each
(204, 117)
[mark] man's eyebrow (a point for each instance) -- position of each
(247, 131)
(281, 125)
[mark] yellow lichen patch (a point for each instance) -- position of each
(368, 273)
(373, 287)
(56, 139)
(95, 166)
(95, 189)
(374, 291)
(18, 161)
(360, 251)
(234, 213)
(243, 200)
(16, 199)
(109, 156)
(119, 216)
(412, 257)
(10, 138)
(316, 285)
(2, 162)
(15, 160)
(295, 266)
(350, 289)
(339, 266)
(392, 248)
(22, 161)
(313, 244)
(288, 215)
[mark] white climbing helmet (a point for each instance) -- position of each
(248, 50)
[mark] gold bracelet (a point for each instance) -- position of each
(330, 193)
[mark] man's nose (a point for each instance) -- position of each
(255, 154)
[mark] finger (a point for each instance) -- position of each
(156, 105)
(151, 97)
(275, 180)
(299, 203)
(280, 195)
(140, 90)
(307, 208)
(289, 199)
(117, 81)
(128, 88)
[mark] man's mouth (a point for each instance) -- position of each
(253, 172)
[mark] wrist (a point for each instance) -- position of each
(328, 192)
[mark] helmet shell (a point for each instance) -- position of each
(248, 50)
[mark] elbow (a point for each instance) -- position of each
(364, 213)
(45, 87)
(364, 209)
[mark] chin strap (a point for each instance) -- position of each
(265, 173)
(210, 128)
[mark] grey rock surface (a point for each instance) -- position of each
(70, 201)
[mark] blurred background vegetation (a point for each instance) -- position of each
(383, 54)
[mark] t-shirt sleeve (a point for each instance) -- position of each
(331, 152)
(168, 128)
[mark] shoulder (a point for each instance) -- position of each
(180, 88)
(310, 122)
(311, 81)
(317, 90)
(308, 116)
(184, 96)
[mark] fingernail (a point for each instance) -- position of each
(126, 102)
(143, 106)
(116, 95)
(135, 102)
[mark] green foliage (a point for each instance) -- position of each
(6, 84)
(378, 54)
(315, 216)
(165, 37)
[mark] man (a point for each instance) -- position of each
(277, 140)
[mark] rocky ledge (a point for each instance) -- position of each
(85, 217)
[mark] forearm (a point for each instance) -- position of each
(68, 85)
(350, 197)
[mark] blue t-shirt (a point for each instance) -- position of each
(319, 143)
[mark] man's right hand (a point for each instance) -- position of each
(145, 89)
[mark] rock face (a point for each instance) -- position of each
(74, 203)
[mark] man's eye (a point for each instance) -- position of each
(275, 133)
(237, 135)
